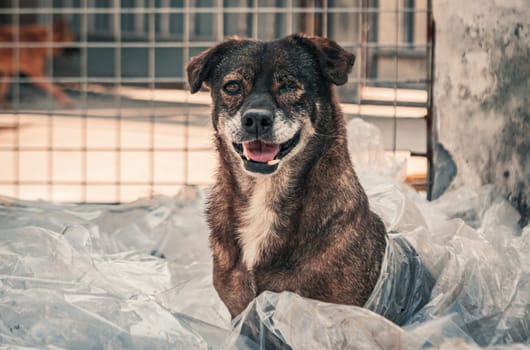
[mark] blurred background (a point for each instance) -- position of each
(96, 109)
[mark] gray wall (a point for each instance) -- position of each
(481, 93)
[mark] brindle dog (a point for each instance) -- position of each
(287, 212)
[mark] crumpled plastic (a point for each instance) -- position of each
(367, 152)
(404, 285)
(138, 276)
(92, 276)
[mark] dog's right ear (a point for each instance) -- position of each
(200, 68)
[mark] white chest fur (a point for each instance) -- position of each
(258, 223)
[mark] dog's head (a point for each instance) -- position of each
(266, 95)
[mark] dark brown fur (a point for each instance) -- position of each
(327, 244)
(32, 60)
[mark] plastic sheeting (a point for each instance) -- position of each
(92, 276)
(138, 276)
(404, 285)
(366, 147)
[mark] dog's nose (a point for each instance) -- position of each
(257, 121)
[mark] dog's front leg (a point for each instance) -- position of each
(53, 89)
(234, 285)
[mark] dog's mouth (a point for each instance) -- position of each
(264, 157)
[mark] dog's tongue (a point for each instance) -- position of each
(261, 152)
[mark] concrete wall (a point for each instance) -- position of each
(481, 93)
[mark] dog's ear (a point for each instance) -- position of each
(336, 63)
(200, 68)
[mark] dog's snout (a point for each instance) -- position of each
(257, 121)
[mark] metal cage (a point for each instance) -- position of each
(133, 130)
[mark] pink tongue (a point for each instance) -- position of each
(261, 152)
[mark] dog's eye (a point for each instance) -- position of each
(287, 87)
(232, 87)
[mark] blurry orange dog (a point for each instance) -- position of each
(32, 59)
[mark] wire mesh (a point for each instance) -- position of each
(131, 128)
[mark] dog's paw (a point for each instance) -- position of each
(67, 103)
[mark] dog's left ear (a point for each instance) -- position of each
(200, 68)
(336, 63)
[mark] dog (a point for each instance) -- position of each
(31, 61)
(287, 211)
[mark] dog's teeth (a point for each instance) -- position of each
(274, 161)
(245, 153)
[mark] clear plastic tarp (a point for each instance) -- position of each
(138, 276)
